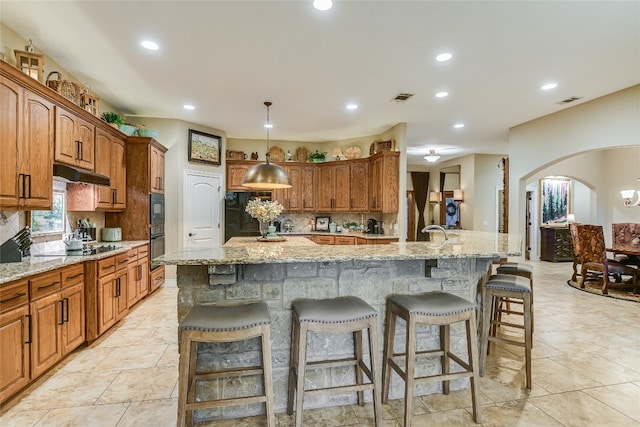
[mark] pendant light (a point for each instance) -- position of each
(266, 176)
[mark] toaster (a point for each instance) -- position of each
(113, 234)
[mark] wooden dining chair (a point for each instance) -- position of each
(623, 234)
(593, 256)
(575, 247)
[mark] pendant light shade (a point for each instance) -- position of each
(266, 176)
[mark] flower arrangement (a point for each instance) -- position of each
(263, 211)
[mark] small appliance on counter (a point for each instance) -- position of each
(111, 234)
(374, 226)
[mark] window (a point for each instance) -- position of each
(53, 221)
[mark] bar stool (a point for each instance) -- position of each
(521, 269)
(435, 308)
(498, 287)
(337, 315)
(223, 324)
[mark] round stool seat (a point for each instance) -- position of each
(333, 310)
(514, 268)
(508, 282)
(432, 304)
(209, 318)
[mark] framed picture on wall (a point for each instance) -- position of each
(204, 147)
(555, 198)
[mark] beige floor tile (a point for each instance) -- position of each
(621, 397)
(133, 357)
(507, 382)
(25, 418)
(557, 378)
(577, 409)
(323, 417)
(517, 413)
(584, 363)
(140, 384)
(455, 417)
(170, 357)
(101, 416)
(156, 413)
(459, 399)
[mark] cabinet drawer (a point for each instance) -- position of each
(13, 295)
(157, 278)
(324, 240)
(345, 240)
(45, 284)
(106, 266)
(122, 260)
(132, 255)
(72, 275)
(143, 251)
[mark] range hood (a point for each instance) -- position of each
(71, 174)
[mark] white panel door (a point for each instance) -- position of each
(202, 209)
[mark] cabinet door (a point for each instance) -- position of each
(11, 104)
(74, 140)
(119, 174)
(74, 317)
(326, 184)
(375, 185)
(35, 155)
(14, 347)
(308, 185)
(104, 195)
(359, 190)
(235, 173)
(156, 278)
(85, 134)
(46, 317)
(294, 194)
(133, 295)
(143, 277)
(157, 170)
(342, 191)
(121, 288)
(106, 307)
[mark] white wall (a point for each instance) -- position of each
(607, 122)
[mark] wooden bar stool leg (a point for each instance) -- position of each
(445, 345)
(373, 357)
(389, 342)
(487, 304)
(293, 365)
(528, 332)
(268, 375)
(301, 369)
(410, 365)
(183, 381)
(357, 352)
(472, 351)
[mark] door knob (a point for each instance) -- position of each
(192, 234)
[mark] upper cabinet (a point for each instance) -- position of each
(157, 169)
(301, 196)
(384, 174)
(26, 144)
(74, 140)
(235, 173)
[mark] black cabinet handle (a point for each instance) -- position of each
(75, 276)
(49, 285)
(29, 175)
(28, 323)
(66, 311)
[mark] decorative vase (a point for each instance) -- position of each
(264, 228)
(272, 229)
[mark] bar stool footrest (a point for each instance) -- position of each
(220, 403)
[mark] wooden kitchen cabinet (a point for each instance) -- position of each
(359, 186)
(72, 296)
(384, 175)
(137, 275)
(235, 174)
(46, 310)
(344, 240)
(555, 244)
(157, 168)
(15, 338)
(112, 162)
(308, 185)
(26, 142)
(324, 240)
(156, 278)
(74, 142)
(111, 295)
(334, 187)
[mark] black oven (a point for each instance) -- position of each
(157, 242)
(157, 208)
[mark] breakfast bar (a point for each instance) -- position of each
(277, 273)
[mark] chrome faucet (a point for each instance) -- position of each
(436, 227)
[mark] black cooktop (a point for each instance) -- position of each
(88, 250)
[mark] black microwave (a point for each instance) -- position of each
(157, 208)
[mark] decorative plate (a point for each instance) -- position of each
(302, 154)
(353, 152)
(277, 154)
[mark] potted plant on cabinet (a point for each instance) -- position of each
(114, 119)
(317, 157)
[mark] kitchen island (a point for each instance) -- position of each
(279, 272)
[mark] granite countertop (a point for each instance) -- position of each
(342, 233)
(39, 264)
(289, 241)
(461, 244)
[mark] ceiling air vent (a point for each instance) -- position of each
(570, 99)
(402, 97)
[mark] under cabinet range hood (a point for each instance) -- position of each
(71, 174)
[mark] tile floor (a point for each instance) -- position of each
(586, 372)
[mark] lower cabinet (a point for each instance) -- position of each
(323, 239)
(15, 338)
(555, 244)
(112, 291)
(137, 275)
(156, 278)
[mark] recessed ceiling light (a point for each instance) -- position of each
(444, 57)
(442, 94)
(458, 125)
(352, 106)
(189, 107)
(322, 4)
(147, 44)
(268, 125)
(549, 86)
